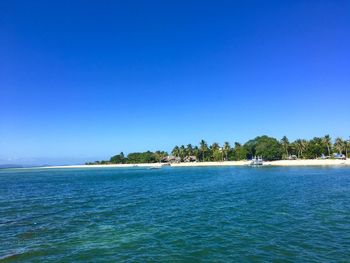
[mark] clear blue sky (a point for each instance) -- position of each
(82, 80)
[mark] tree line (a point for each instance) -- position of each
(268, 147)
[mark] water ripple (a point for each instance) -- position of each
(178, 215)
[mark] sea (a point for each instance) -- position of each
(192, 214)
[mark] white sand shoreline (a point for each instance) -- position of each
(201, 164)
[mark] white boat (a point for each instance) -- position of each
(256, 161)
(155, 167)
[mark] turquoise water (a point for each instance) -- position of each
(175, 215)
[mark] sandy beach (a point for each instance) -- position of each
(227, 163)
(314, 162)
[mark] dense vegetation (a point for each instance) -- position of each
(267, 147)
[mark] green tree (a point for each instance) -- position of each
(118, 159)
(216, 154)
(226, 149)
(315, 148)
(196, 152)
(189, 150)
(142, 157)
(203, 147)
(160, 155)
(285, 145)
(267, 147)
(182, 152)
(300, 146)
(328, 142)
(176, 151)
(215, 146)
(339, 145)
(239, 152)
(346, 145)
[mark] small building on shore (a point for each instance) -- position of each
(190, 159)
(171, 159)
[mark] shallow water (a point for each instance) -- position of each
(220, 214)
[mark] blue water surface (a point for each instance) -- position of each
(216, 214)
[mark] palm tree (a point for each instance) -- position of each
(160, 155)
(346, 146)
(182, 151)
(226, 149)
(236, 150)
(196, 152)
(300, 146)
(305, 145)
(285, 145)
(339, 145)
(176, 151)
(215, 146)
(189, 150)
(203, 146)
(328, 142)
